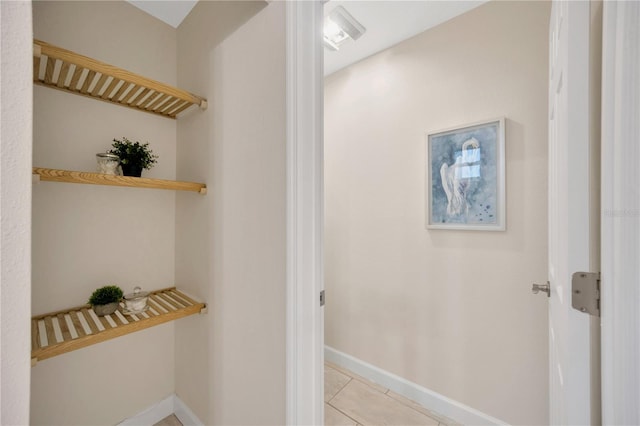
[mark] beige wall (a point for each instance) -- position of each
(449, 310)
(15, 208)
(230, 245)
(87, 236)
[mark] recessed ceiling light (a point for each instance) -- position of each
(339, 26)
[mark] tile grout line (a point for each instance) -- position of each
(351, 377)
(386, 392)
(343, 413)
(431, 415)
(340, 390)
(336, 394)
(413, 408)
(358, 377)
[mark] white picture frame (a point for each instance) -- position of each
(465, 177)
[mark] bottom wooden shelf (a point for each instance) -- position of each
(65, 331)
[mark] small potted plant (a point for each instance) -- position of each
(106, 300)
(134, 156)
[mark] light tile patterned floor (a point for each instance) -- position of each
(350, 399)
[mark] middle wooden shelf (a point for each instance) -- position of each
(56, 175)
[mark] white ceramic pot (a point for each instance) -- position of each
(108, 309)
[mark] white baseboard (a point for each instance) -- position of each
(429, 399)
(168, 406)
(184, 413)
(151, 415)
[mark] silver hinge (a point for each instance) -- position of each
(322, 298)
(585, 292)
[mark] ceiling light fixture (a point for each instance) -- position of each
(339, 26)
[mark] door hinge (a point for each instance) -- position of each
(322, 298)
(585, 292)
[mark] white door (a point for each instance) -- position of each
(621, 214)
(569, 236)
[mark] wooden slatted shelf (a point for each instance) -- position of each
(71, 72)
(55, 175)
(59, 332)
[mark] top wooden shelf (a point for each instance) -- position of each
(70, 72)
(69, 176)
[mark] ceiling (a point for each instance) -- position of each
(387, 22)
(171, 12)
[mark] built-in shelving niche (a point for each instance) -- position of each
(60, 332)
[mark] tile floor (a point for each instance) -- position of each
(350, 399)
(171, 420)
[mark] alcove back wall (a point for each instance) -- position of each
(88, 236)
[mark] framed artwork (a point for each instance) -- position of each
(465, 177)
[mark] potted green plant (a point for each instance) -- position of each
(134, 156)
(106, 300)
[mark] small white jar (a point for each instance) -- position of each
(107, 163)
(136, 302)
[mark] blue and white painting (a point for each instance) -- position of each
(463, 170)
